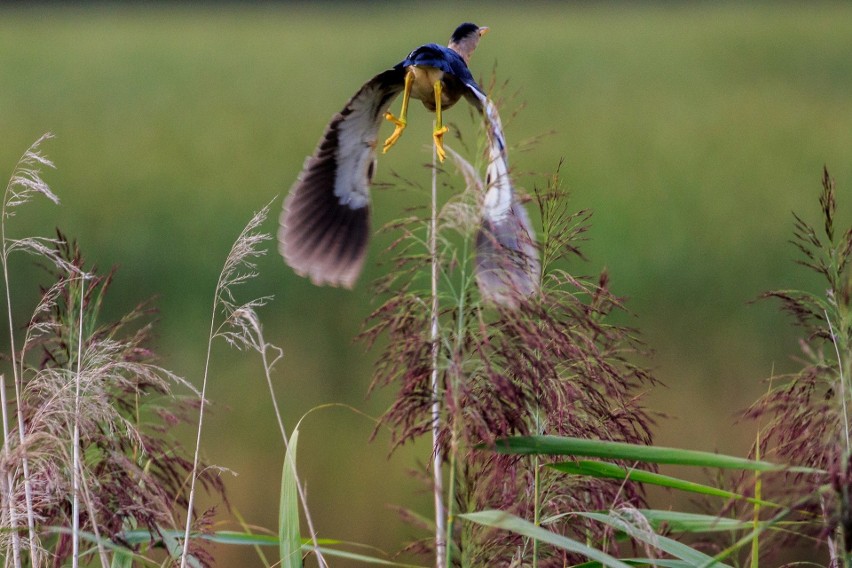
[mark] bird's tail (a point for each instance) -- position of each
(508, 269)
(507, 261)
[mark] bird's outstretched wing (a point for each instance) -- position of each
(325, 223)
(508, 269)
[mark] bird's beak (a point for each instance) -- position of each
(483, 30)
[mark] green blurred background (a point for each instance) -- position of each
(692, 131)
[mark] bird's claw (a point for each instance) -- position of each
(400, 126)
(438, 135)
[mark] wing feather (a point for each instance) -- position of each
(508, 269)
(325, 223)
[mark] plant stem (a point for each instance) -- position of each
(100, 541)
(536, 507)
(451, 498)
(844, 462)
(758, 495)
(75, 503)
(454, 441)
(9, 493)
(840, 366)
(191, 500)
(437, 459)
(267, 366)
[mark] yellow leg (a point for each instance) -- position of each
(401, 121)
(440, 129)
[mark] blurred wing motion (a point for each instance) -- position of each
(325, 224)
(507, 263)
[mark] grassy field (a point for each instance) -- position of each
(691, 130)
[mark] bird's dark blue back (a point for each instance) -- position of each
(440, 57)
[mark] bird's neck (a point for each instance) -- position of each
(464, 48)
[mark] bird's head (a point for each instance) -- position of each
(465, 38)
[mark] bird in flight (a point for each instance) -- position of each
(325, 223)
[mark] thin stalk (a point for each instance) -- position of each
(844, 463)
(266, 367)
(454, 441)
(833, 554)
(451, 499)
(758, 495)
(13, 521)
(75, 503)
(536, 507)
(99, 540)
(7, 489)
(302, 497)
(191, 500)
(840, 366)
(437, 458)
(539, 430)
(242, 249)
(25, 463)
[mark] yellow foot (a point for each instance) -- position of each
(438, 135)
(400, 126)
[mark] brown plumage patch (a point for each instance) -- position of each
(320, 237)
(507, 263)
(325, 224)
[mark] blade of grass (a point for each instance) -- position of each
(141, 536)
(663, 543)
(567, 446)
(607, 470)
(364, 558)
(506, 521)
(121, 559)
(677, 521)
(642, 562)
(289, 538)
(247, 529)
(248, 539)
(119, 550)
(748, 538)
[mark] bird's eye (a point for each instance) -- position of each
(370, 169)
(488, 179)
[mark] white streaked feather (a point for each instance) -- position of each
(357, 147)
(499, 197)
(508, 267)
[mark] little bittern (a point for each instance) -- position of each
(325, 224)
